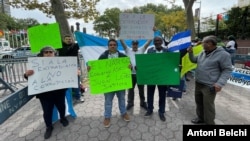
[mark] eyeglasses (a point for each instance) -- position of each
(48, 51)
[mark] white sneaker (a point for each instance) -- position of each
(79, 100)
(82, 99)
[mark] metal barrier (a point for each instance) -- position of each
(243, 50)
(11, 73)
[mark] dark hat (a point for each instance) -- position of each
(135, 42)
(231, 37)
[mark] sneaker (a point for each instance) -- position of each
(48, 132)
(129, 106)
(148, 114)
(64, 122)
(106, 122)
(80, 100)
(144, 105)
(126, 117)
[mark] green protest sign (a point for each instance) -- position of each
(109, 75)
(158, 68)
(44, 35)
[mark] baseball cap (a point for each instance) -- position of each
(135, 42)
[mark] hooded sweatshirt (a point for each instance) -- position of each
(212, 68)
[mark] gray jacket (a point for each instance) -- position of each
(216, 67)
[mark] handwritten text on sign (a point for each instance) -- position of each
(51, 73)
(109, 75)
(136, 26)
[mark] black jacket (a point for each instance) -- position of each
(105, 55)
(68, 50)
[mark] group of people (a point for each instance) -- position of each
(214, 67)
(56, 98)
(211, 74)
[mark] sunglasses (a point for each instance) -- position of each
(48, 51)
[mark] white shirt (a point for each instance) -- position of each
(131, 54)
(231, 44)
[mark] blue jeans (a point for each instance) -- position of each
(232, 54)
(108, 104)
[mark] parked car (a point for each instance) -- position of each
(20, 52)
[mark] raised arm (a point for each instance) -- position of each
(123, 44)
(147, 44)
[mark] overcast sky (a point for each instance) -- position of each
(208, 7)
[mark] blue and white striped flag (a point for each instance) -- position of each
(92, 46)
(69, 111)
(180, 41)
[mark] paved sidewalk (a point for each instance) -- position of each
(232, 107)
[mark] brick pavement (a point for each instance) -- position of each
(232, 107)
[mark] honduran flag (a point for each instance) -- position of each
(69, 111)
(92, 46)
(180, 41)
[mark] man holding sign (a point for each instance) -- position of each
(113, 53)
(161, 88)
(131, 52)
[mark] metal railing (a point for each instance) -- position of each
(11, 73)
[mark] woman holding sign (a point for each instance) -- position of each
(51, 98)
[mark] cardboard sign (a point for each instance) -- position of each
(136, 26)
(44, 35)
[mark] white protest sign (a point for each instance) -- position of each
(52, 73)
(136, 26)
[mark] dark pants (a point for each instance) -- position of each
(48, 104)
(204, 99)
(162, 97)
(131, 92)
(77, 91)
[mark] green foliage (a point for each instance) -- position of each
(8, 23)
(238, 22)
(110, 19)
(107, 22)
(78, 9)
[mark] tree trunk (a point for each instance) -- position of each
(189, 15)
(61, 18)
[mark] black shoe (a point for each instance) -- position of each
(64, 122)
(187, 79)
(197, 121)
(162, 117)
(148, 114)
(129, 106)
(174, 98)
(48, 132)
(144, 105)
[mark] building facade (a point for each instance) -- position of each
(4, 7)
